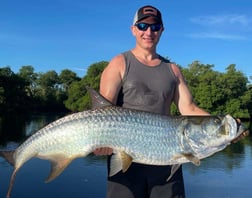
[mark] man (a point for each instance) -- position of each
(142, 79)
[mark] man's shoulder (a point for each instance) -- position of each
(174, 67)
(117, 64)
(176, 70)
(117, 58)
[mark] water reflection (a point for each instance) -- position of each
(226, 174)
(17, 128)
(221, 176)
(217, 162)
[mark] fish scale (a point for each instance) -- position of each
(108, 129)
(134, 136)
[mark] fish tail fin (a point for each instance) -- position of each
(8, 156)
(11, 183)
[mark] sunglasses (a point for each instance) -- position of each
(144, 26)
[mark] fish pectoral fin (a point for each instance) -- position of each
(58, 165)
(192, 158)
(115, 163)
(174, 168)
(126, 161)
(119, 161)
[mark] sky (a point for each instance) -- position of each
(74, 34)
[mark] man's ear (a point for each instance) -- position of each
(133, 30)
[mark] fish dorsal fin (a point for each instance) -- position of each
(98, 101)
(58, 165)
(119, 161)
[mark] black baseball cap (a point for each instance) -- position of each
(147, 11)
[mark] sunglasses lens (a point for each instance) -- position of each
(155, 27)
(144, 26)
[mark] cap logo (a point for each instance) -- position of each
(150, 11)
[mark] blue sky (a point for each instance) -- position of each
(73, 34)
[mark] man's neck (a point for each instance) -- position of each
(150, 58)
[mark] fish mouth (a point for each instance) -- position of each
(241, 129)
(236, 128)
(233, 127)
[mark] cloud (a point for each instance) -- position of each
(80, 69)
(216, 35)
(225, 27)
(220, 20)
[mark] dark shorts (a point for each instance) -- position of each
(142, 181)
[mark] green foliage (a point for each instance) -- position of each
(246, 99)
(67, 77)
(29, 91)
(217, 92)
(12, 91)
(76, 93)
(78, 98)
(94, 74)
(48, 79)
(174, 110)
(2, 98)
(30, 77)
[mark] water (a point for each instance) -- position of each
(227, 174)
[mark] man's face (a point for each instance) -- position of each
(147, 38)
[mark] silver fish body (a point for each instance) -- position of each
(147, 138)
(136, 136)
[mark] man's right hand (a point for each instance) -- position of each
(103, 151)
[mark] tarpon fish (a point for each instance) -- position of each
(135, 136)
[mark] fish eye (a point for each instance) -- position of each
(217, 121)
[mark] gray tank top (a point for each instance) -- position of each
(147, 88)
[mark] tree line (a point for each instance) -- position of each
(28, 91)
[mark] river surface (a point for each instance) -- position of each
(227, 174)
